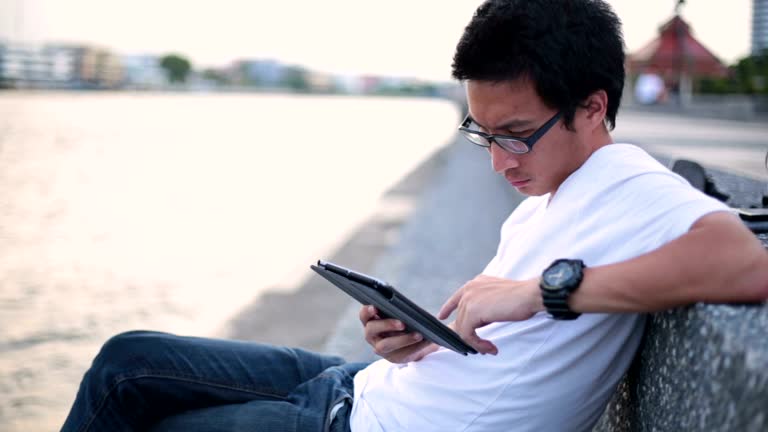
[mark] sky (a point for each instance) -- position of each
(398, 37)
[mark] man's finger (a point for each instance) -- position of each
(378, 329)
(389, 345)
(367, 313)
(450, 305)
(421, 353)
(481, 345)
(467, 330)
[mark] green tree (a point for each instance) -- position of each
(752, 73)
(748, 76)
(176, 67)
(717, 85)
(214, 75)
(296, 78)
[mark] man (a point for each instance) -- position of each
(650, 88)
(607, 232)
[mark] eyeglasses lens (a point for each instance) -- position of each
(513, 146)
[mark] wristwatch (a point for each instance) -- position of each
(558, 282)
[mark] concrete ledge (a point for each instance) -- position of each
(700, 368)
(731, 107)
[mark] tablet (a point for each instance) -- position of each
(392, 304)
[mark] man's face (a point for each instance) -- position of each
(514, 108)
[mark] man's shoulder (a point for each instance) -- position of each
(614, 170)
(623, 183)
(622, 161)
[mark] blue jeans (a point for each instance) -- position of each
(160, 382)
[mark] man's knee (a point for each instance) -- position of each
(130, 350)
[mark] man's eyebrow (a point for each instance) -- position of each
(512, 124)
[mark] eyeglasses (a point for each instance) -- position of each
(509, 143)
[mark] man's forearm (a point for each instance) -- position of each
(717, 261)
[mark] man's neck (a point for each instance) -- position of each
(600, 140)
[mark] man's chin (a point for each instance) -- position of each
(528, 188)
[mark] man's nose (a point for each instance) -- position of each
(501, 159)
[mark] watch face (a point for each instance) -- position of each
(558, 275)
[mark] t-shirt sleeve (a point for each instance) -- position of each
(672, 205)
(687, 213)
(490, 268)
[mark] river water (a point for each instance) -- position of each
(121, 211)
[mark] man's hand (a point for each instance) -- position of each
(487, 299)
(389, 340)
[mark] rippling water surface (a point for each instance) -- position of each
(170, 212)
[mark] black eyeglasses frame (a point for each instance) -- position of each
(489, 139)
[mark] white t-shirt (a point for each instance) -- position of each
(548, 375)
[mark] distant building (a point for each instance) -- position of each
(143, 72)
(678, 58)
(62, 64)
(320, 82)
(23, 65)
(759, 26)
(370, 84)
(262, 73)
(98, 68)
(351, 84)
(675, 52)
(3, 82)
(58, 66)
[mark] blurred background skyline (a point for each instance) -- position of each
(334, 36)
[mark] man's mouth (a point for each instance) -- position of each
(518, 182)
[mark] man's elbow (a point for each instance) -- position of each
(753, 276)
(742, 255)
(760, 278)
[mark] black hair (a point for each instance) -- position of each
(569, 49)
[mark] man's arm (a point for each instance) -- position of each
(717, 261)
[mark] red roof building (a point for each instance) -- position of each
(676, 53)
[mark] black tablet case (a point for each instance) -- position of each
(391, 303)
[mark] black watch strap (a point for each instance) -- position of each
(558, 307)
(556, 292)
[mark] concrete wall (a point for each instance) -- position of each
(731, 107)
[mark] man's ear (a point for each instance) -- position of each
(594, 109)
